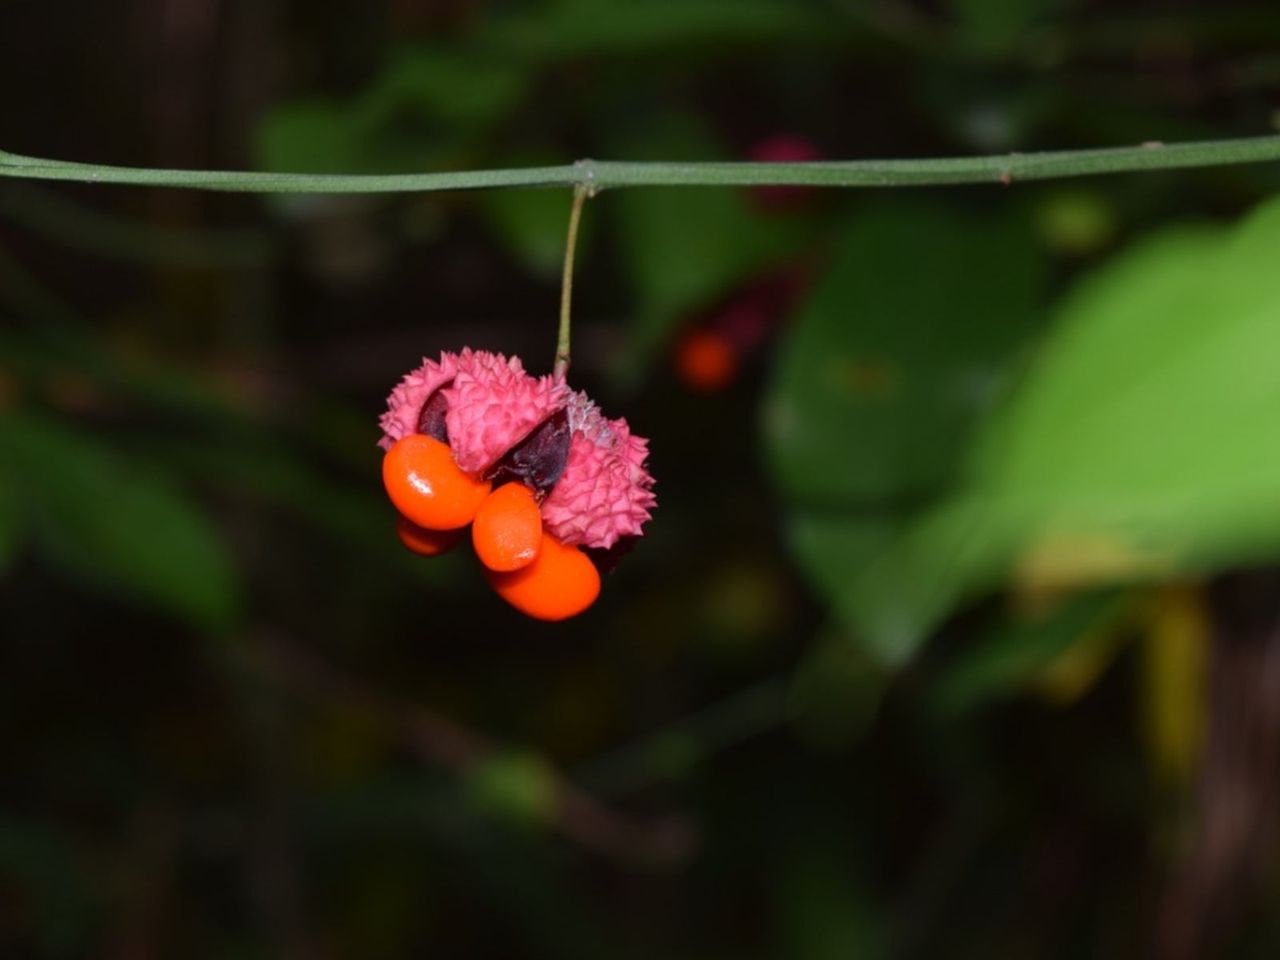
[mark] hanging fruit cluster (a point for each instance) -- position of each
(551, 489)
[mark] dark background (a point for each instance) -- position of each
(805, 718)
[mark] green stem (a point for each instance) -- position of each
(595, 175)
(561, 369)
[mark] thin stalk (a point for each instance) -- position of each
(561, 368)
(596, 175)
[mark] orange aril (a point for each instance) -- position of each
(706, 361)
(424, 542)
(560, 583)
(507, 530)
(428, 487)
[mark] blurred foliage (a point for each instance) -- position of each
(1176, 655)
(683, 249)
(1138, 445)
(105, 518)
(934, 646)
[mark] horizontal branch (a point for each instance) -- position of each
(605, 174)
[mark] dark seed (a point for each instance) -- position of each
(539, 460)
(431, 419)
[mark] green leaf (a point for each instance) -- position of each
(682, 249)
(454, 90)
(685, 247)
(1021, 646)
(889, 580)
(1144, 441)
(415, 115)
(532, 224)
(111, 523)
(1142, 445)
(318, 136)
(904, 342)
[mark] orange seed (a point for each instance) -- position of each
(560, 583)
(507, 531)
(424, 542)
(428, 487)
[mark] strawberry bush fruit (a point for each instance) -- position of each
(552, 489)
